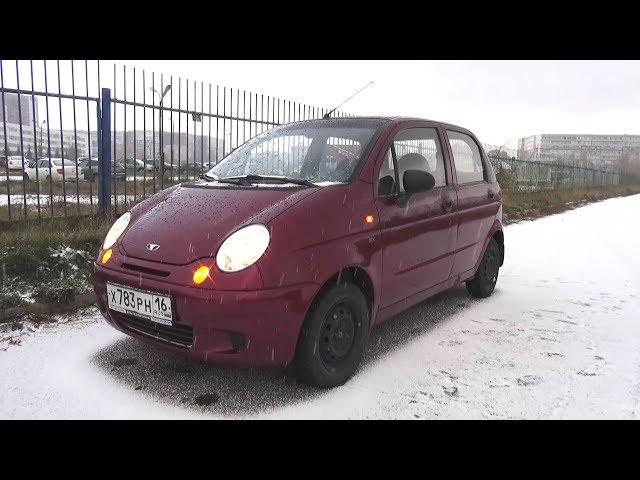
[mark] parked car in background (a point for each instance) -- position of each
(131, 165)
(14, 162)
(288, 257)
(89, 170)
(83, 160)
(184, 168)
(55, 169)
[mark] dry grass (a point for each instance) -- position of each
(75, 232)
(519, 205)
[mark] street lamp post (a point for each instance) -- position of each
(44, 122)
(161, 97)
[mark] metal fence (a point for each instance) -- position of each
(65, 122)
(515, 174)
(77, 137)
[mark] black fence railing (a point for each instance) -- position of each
(75, 140)
(161, 130)
(515, 174)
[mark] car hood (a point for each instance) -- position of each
(189, 222)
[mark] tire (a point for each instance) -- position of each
(484, 282)
(25, 177)
(333, 337)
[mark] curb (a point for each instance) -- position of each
(79, 301)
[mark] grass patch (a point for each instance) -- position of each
(50, 261)
(9, 299)
(58, 292)
(518, 205)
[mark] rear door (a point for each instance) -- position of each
(478, 201)
(419, 235)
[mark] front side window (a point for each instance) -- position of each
(415, 149)
(314, 153)
(466, 156)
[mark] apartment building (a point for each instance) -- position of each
(48, 142)
(599, 150)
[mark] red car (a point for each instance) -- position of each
(292, 248)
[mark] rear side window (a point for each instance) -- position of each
(466, 156)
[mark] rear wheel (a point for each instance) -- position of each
(333, 337)
(484, 282)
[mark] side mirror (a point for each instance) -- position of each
(416, 181)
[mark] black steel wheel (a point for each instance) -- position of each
(333, 337)
(484, 282)
(337, 334)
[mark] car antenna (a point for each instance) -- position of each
(328, 114)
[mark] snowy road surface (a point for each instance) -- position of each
(560, 338)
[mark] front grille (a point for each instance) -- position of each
(180, 335)
(150, 271)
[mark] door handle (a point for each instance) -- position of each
(447, 205)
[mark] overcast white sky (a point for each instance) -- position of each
(500, 101)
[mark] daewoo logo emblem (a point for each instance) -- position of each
(152, 247)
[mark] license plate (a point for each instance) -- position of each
(149, 305)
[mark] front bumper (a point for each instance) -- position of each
(257, 328)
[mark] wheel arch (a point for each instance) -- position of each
(356, 275)
(498, 236)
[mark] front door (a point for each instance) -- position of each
(418, 232)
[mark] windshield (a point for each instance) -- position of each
(313, 153)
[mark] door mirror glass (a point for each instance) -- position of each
(416, 181)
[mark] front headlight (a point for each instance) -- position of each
(116, 230)
(243, 248)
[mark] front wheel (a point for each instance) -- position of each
(333, 337)
(484, 282)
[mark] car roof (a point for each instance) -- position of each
(373, 121)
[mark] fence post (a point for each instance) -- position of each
(104, 163)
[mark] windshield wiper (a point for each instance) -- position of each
(213, 178)
(253, 178)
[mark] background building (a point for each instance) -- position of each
(13, 114)
(183, 146)
(582, 149)
(48, 144)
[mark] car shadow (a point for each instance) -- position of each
(207, 389)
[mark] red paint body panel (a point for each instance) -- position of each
(409, 253)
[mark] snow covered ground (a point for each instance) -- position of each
(560, 338)
(31, 199)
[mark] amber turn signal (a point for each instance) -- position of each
(200, 275)
(106, 256)
(368, 219)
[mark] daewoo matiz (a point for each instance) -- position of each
(293, 247)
